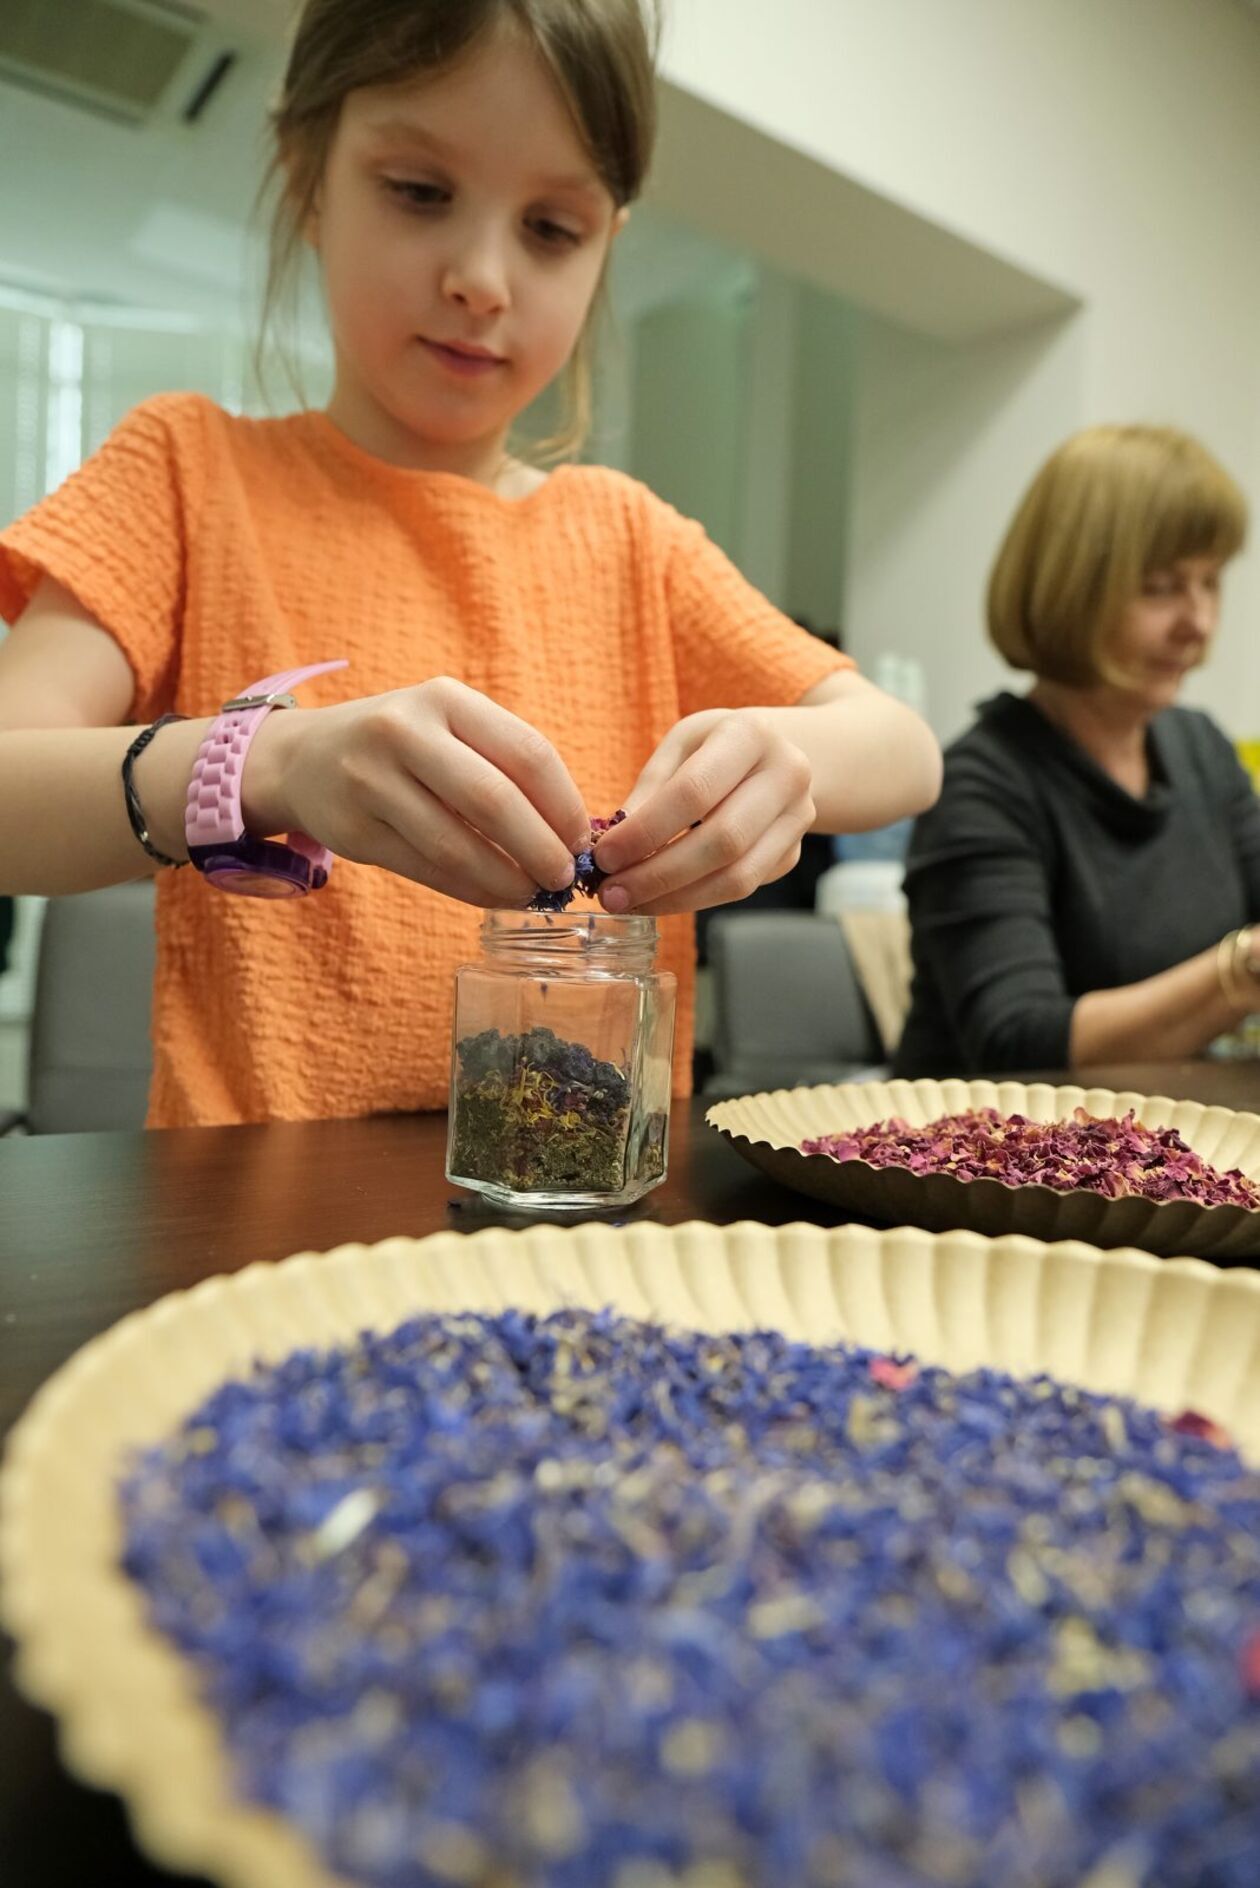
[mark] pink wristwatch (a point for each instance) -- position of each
(214, 826)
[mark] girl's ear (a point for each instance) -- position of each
(620, 220)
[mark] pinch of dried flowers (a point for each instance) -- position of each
(587, 877)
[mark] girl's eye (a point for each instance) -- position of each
(419, 196)
(554, 235)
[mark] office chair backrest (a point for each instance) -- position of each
(90, 1051)
(788, 1007)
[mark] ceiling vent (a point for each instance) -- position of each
(117, 57)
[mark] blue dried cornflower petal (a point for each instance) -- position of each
(631, 1592)
(587, 876)
(552, 901)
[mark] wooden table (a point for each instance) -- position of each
(93, 1226)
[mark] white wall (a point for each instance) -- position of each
(1107, 148)
(944, 437)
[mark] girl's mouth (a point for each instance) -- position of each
(470, 362)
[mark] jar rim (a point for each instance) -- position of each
(542, 927)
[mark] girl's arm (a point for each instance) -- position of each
(64, 686)
(434, 782)
(872, 759)
(725, 800)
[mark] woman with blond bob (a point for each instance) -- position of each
(1086, 889)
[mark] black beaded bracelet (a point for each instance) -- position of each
(135, 812)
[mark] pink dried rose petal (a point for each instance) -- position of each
(1192, 1422)
(891, 1375)
(1112, 1157)
(1249, 1665)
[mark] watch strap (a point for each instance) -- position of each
(212, 813)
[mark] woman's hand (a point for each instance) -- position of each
(436, 782)
(719, 809)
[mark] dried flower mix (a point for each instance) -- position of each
(1113, 1157)
(540, 1114)
(587, 877)
(583, 1603)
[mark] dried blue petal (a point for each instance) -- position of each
(578, 1602)
(587, 877)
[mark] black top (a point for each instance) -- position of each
(1036, 878)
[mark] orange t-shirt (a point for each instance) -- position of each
(218, 550)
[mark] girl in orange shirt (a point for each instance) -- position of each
(461, 172)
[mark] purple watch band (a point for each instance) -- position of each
(214, 826)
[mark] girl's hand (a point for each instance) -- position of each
(719, 809)
(436, 782)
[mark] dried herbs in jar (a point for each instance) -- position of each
(560, 1072)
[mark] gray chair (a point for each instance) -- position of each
(788, 1008)
(90, 1055)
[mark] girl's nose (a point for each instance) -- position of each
(476, 280)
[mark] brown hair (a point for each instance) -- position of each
(600, 53)
(1111, 506)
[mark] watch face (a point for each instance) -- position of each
(250, 884)
(257, 868)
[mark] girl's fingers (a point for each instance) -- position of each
(725, 841)
(414, 834)
(492, 804)
(526, 757)
(725, 756)
(682, 740)
(774, 854)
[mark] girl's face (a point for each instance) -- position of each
(462, 230)
(1166, 629)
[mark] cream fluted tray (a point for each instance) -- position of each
(1171, 1334)
(767, 1130)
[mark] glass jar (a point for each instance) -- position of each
(561, 1061)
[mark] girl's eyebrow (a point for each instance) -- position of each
(407, 131)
